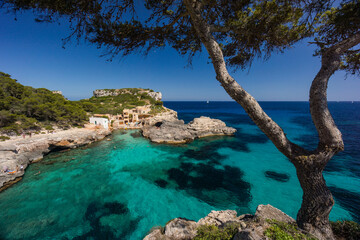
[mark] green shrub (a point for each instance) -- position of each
(212, 232)
(158, 103)
(27, 108)
(3, 138)
(49, 127)
(348, 230)
(285, 231)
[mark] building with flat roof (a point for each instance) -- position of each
(98, 121)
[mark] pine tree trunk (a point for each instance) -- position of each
(317, 201)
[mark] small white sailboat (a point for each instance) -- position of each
(207, 101)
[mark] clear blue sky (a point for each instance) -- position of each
(32, 53)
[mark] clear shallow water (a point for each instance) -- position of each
(122, 188)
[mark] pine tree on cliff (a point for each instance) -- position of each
(235, 32)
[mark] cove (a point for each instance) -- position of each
(122, 188)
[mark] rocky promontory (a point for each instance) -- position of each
(173, 131)
(244, 227)
(17, 154)
(133, 91)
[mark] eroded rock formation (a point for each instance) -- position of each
(115, 92)
(174, 131)
(250, 227)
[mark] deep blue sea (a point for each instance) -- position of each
(120, 189)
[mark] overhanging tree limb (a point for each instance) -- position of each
(251, 106)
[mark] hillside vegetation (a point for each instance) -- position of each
(24, 108)
(27, 109)
(131, 98)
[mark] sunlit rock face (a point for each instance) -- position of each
(115, 92)
(174, 131)
(248, 226)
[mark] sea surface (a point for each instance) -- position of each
(120, 189)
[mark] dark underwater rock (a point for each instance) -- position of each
(280, 177)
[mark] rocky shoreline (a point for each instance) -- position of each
(245, 227)
(17, 154)
(171, 130)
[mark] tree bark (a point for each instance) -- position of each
(317, 200)
(313, 215)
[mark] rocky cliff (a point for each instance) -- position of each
(171, 130)
(115, 92)
(244, 227)
(16, 155)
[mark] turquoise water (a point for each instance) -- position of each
(120, 189)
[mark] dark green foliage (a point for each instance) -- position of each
(3, 138)
(212, 232)
(246, 29)
(26, 108)
(339, 24)
(285, 231)
(347, 230)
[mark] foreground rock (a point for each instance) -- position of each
(16, 155)
(249, 227)
(174, 131)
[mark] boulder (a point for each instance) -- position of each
(155, 235)
(219, 218)
(180, 228)
(168, 132)
(270, 212)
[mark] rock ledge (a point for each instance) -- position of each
(173, 131)
(250, 227)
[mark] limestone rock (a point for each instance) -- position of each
(250, 227)
(115, 92)
(219, 218)
(155, 95)
(169, 115)
(57, 92)
(168, 132)
(181, 229)
(270, 212)
(22, 152)
(168, 129)
(156, 235)
(250, 234)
